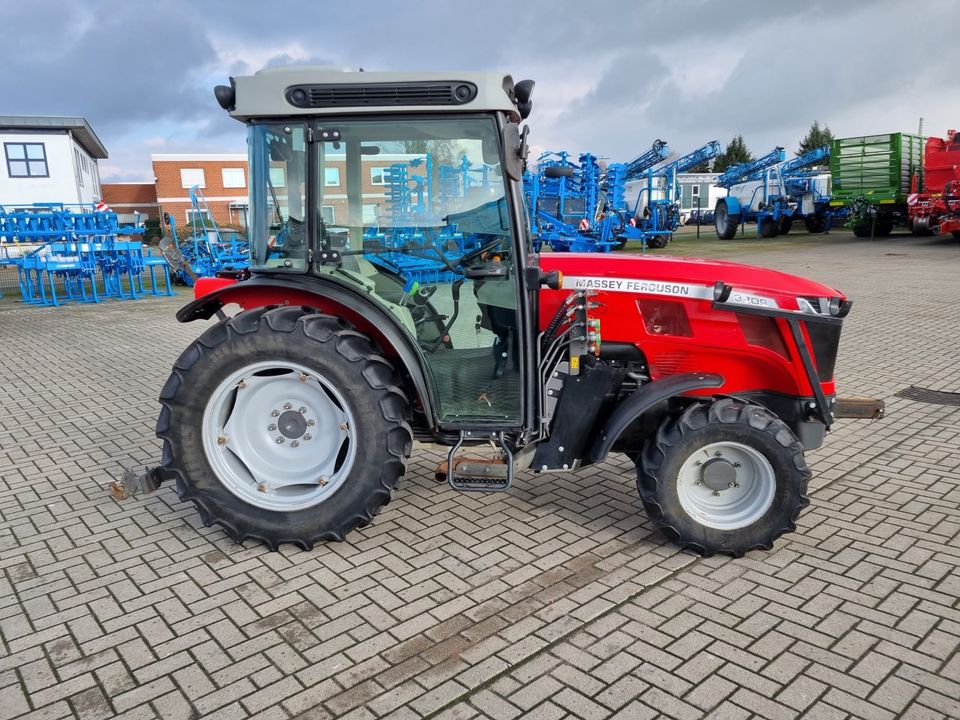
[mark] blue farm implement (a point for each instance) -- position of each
(773, 192)
(208, 250)
(580, 207)
(65, 253)
(412, 239)
(661, 216)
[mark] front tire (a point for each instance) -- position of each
(284, 425)
(723, 477)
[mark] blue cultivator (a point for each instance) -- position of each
(578, 207)
(73, 254)
(209, 249)
(409, 243)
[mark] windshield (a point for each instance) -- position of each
(278, 163)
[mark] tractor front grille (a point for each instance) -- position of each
(381, 94)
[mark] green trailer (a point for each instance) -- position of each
(872, 178)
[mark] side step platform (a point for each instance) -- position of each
(475, 474)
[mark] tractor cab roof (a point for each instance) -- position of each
(291, 91)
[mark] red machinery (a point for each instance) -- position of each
(936, 206)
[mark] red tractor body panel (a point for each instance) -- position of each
(663, 306)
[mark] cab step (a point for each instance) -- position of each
(475, 474)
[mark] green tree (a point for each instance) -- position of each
(701, 168)
(736, 152)
(815, 137)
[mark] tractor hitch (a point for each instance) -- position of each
(864, 408)
(134, 481)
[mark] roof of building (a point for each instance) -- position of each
(206, 157)
(81, 129)
(129, 193)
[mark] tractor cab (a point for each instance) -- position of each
(404, 192)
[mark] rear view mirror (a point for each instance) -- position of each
(513, 163)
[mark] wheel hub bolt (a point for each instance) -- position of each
(261, 488)
(307, 436)
(221, 440)
(274, 413)
(271, 427)
(736, 464)
(303, 410)
(280, 440)
(716, 493)
(344, 427)
(311, 423)
(303, 378)
(287, 406)
(295, 444)
(718, 453)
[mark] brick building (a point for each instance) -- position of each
(223, 182)
(127, 199)
(221, 178)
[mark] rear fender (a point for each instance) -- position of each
(327, 296)
(733, 205)
(644, 399)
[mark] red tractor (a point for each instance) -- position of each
(292, 419)
(935, 207)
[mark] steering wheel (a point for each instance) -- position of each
(474, 254)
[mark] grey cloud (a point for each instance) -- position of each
(114, 62)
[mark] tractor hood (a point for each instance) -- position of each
(690, 278)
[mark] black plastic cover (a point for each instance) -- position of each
(327, 95)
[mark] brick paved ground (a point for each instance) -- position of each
(555, 600)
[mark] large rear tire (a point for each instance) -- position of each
(284, 425)
(723, 477)
(725, 222)
(815, 224)
(786, 223)
(862, 230)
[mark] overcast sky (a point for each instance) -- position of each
(611, 76)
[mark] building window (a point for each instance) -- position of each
(696, 191)
(378, 175)
(26, 160)
(202, 217)
(233, 178)
(331, 176)
(277, 177)
(76, 156)
(326, 212)
(192, 176)
(370, 214)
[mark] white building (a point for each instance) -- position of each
(48, 160)
(696, 190)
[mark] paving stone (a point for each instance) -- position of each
(556, 599)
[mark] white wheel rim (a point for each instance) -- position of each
(279, 436)
(735, 493)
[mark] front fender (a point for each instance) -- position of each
(733, 205)
(329, 296)
(647, 397)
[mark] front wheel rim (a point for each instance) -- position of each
(279, 436)
(726, 485)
